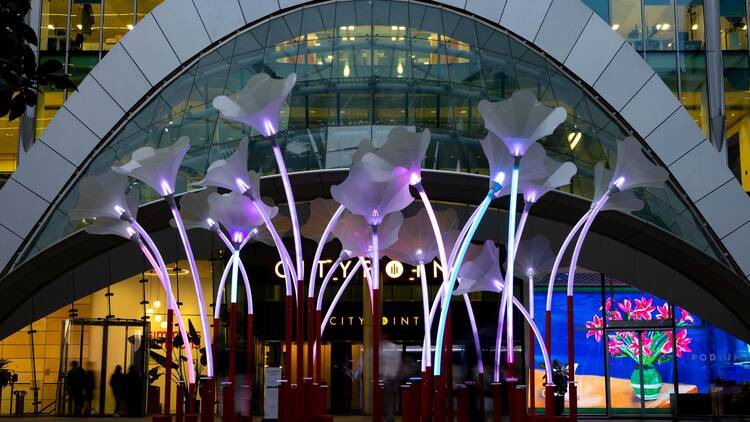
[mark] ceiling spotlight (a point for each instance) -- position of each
(615, 27)
(51, 27)
(694, 27)
(157, 304)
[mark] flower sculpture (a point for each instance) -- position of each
(102, 199)
(237, 214)
(656, 347)
(405, 149)
(520, 120)
(258, 104)
(158, 169)
(194, 209)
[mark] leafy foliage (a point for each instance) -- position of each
(158, 345)
(5, 375)
(20, 76)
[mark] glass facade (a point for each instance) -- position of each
(363, 68)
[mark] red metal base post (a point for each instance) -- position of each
(482, 408)
(406, 403)
(207, 399)
(438, 403)
(227, 396)
(464, 405)
(510, 385)
(180, 413)
(549, 401)
(377, 396)
(426, 392)
(497, 402)
(250, 364)
(168, 364)
(572, 389)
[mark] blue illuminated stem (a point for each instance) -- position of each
(324, 285)
(196, 284)
(319, 249)
(511, 257)
(452, 281)
(291, 204)
(157, 263)
(427, 344)
(559, 257)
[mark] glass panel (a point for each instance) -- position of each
(118, 20)
(660, 24)
(52, 33)
(733, 23)
(145, 6)
(8, 148)
(627, 21)
(737, 101)
(694, 84)
(86, 25)
(690, 30)
(600, 7)
(48, 103)
(665, 65)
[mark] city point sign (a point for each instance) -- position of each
(393, 269)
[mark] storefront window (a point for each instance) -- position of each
(628, 21)
(660, 25)
(690, 30)
(118, 20)
(733, 22)
(8, 148)
(694, 88)
(737, 101)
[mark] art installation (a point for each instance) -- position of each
(372, 214)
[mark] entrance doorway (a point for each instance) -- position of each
(96, 347)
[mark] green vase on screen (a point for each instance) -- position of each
(652, 383)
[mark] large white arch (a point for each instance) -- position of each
(173, 34)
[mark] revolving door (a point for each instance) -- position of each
(90, 352)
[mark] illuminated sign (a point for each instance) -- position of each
(393, 269)
(387, 321)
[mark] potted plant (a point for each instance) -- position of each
(178, 375)
(656, 346)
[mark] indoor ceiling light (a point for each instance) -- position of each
(157, 304)
(694, 27)
(129, 26)
(615, 27)
(79, 26)
(51, 27)
(347, 71)
(573, 139)
(400, 69)
(351, 27)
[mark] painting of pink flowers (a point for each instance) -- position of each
(657, 346)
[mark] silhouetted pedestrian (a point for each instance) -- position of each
(75, 383)
(88, 391)
(117, 383)
(133, 392)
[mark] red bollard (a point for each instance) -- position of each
(406, 403)
(227, 397)
(464, 403)
(497, 402)
(180, 413)
(426, 387)
(549, 401)
(207, 399)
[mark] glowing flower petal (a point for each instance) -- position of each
(534, 258)
(555, 175)
(281, 223)
(623, 201)
(258, 104)
(355, 233)
(366, 191)
(157, 167)
(406, 149)
(321, 211)
(237, 214)
(520, 120)
(116, 226)
(232, 173)
(634, 169)
(416, 240)
(483, 273)
(103, 196)
(194, 209)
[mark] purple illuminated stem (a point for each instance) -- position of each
(510, 358)
(559, 257)
(582, 238)
(531, 297)
(161, 271)
(289, 271)
(196, 284)
(324, 285)
(291, 204)
(427, 344)
(319, 249)
(337, 297)
(246, 281)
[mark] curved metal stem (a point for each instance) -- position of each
(248, 290)
(324, 285)
(452, 281)
(220, 292)
(290, 203)
(196, 284)
(559, 257)
(510, 357)
(581, 238)
(319, 249)
(160, 269)
(427, 344)
(338, 295)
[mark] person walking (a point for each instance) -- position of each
(88, 392)
(134, 392)
(75, 383)
(117, 383)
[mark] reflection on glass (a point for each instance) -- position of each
(690, 29)
(737, 101)
(733, 23)
(85, 26)
(694, 88)
(665, 65)
(660, 25)
(47, 105)
(118, 20)
(8, 148)
(628, 22)
(356, 80)
(53, 27)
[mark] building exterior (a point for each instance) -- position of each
(673, 74)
